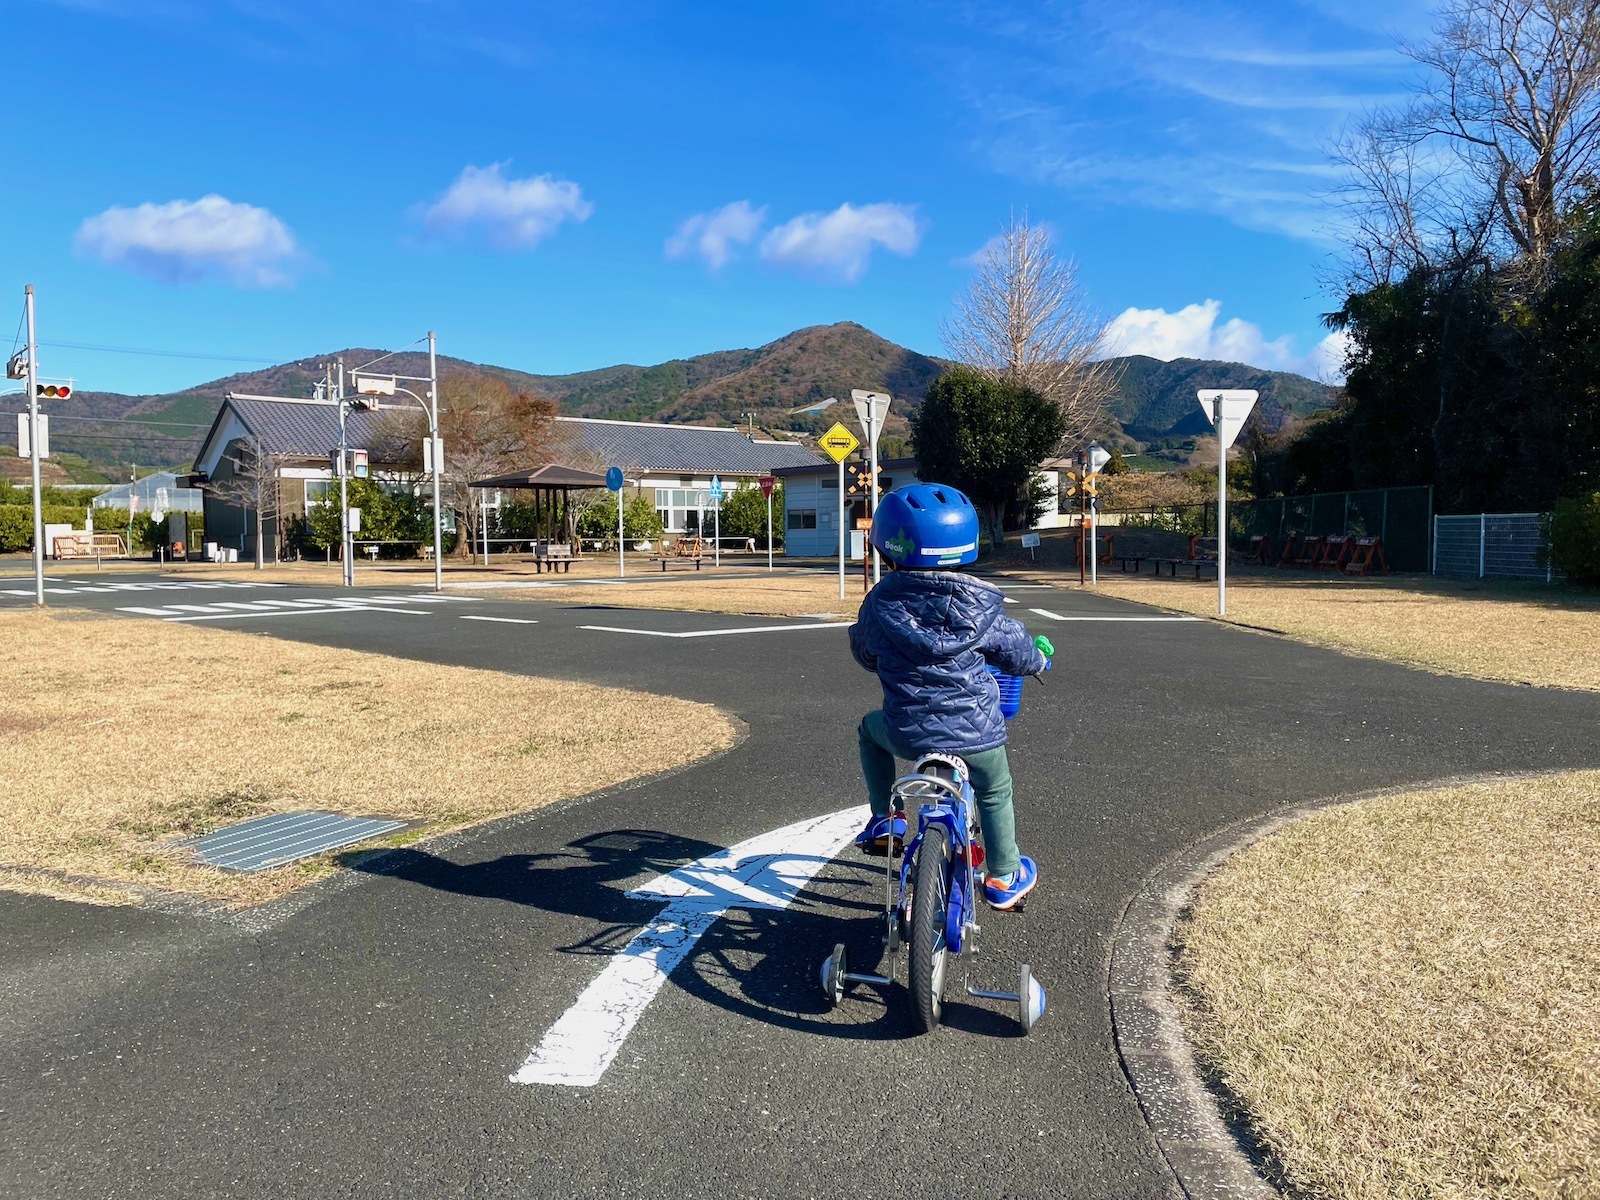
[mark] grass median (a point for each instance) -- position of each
(1534, 634)
(122, 737)
(1403, 994)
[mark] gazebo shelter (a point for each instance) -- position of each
(552, 486)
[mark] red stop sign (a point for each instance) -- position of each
(766, 485)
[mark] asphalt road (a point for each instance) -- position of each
(358, 1041)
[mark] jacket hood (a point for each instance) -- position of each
(931, 615)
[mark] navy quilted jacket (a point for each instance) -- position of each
(929, 635)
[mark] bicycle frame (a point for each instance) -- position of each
(948, 804)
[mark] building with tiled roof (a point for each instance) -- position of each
(678, 462)
(675, 464)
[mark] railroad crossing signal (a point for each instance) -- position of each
(838, 443)
(858, 480)
(1082, 483)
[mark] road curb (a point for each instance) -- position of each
(1209, 1155)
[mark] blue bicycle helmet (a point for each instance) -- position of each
(926, 525)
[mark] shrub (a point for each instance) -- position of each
(1575, 538)
(16, 528)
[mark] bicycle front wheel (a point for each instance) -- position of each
(930, 897)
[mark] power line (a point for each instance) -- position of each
(58, 416)
(231, 358)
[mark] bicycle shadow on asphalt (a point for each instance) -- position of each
(759, 963)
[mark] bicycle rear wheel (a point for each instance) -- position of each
(930, 896)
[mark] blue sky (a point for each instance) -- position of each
(560, 187)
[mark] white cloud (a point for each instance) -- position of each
(186, 241)
(712, 235)
(1193, 332)
(513, 214)
(840, 243)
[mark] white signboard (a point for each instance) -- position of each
(375, 385)
(1030, 540)
(1227, 410)
(24, 445)
(355, 520)
(432, 455)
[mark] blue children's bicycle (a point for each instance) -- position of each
(934, 912)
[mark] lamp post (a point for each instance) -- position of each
(433, 452)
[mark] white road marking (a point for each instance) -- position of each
(766, 871)
(501, 620)
(306, 612)
(1045, 612)
(694, 633)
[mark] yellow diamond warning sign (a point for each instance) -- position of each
(838, 442)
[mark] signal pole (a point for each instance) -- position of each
(33, 439)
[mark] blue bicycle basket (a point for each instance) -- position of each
(1010, 692)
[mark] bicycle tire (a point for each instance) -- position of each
(930, 897)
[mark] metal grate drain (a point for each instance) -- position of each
(271, 841)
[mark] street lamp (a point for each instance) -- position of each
(433, 451)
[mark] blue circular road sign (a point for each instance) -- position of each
(614, 479)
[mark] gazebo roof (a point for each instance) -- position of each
(551, 476)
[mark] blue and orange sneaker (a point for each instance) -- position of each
(1007, 891)
(883, 835)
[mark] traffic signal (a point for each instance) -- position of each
(53, 391)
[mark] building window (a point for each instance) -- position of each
(681, 508)
(802, 518)
(828, 482)
(319, 491)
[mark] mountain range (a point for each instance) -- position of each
(1154, 409)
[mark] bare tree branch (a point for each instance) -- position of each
(1024, 319)
(1494, 150)
(253, 483)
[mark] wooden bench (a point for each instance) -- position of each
(1122, 561)
(1198, 564)
(687, 549)
(1367, 557)
(552, 556)
(1310, 552)
(1336, 549)
(1260, 552)
(1291, 548)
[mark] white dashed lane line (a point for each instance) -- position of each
(501, 620)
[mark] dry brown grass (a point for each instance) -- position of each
(779, 595)
(1404, 993)
(121, 736)
(1549, 638)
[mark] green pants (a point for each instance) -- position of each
(991, 786)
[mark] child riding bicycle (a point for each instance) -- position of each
(930, 632)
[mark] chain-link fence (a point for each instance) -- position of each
(1401, 516)
(1491, 546)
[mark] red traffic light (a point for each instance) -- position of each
(53, 391)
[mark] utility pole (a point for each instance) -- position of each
(33, 438)
(438, 465)
(345, 548)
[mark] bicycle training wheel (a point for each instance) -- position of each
(930, 897)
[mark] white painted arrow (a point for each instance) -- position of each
(766, 871)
